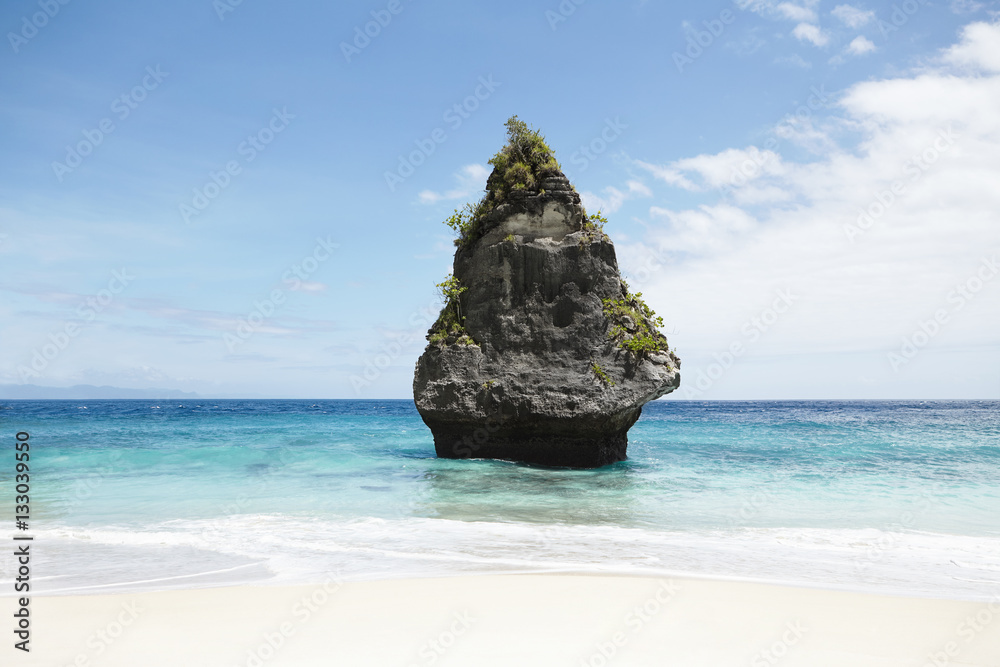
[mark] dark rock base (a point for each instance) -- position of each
(553, 450)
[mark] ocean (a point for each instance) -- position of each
(898, 497)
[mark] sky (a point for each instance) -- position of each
(245, 198)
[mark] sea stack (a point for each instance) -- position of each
(541, 354)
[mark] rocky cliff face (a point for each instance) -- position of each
(540, 355)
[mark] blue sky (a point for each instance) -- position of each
(195, 196)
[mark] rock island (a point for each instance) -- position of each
(541, 354)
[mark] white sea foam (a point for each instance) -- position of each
(280, 549)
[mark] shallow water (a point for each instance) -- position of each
(889, 496)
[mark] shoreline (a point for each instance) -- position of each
(916, 564)
(118, 588)
(504, 619)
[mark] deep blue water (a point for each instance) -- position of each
(901, 496)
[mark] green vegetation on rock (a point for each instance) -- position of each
(593, 228)
(450, 324)
(634, 325)
(595, 221)
(601, 374)
(519, 166)
(521, 163)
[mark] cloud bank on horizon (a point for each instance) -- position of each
(806, 191)
(886, 234)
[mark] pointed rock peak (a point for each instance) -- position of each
(523, 165)
(526, 178)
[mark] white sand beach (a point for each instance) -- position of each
(479, 621)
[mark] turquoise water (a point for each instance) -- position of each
(889, 496)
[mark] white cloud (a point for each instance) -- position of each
(747, 44)
(924, 171)
(966, 6)
(471, 179)
(807, 32)
(979, 48)
(859, 46)
(668, 174)
(757, 6)
(795, 12)
(135, 376)
(718, 170)
(804, 10)
(805, 132)
(309, 286)
(609, 201)
(705, 229)
(639, 188)
(794, 60)
(853, 17)
(612, 198)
